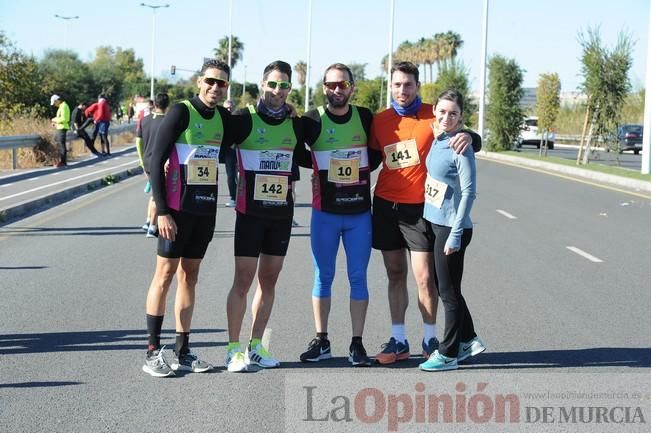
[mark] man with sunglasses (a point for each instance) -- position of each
(189, 138)
(403, 134)
(341, 207)
(266, 138)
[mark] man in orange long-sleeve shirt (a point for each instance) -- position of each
(404, 135)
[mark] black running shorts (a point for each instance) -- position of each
(397, 226)
(255, 235)
(194, 233)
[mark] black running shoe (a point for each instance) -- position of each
(358, 357)
(317, 350)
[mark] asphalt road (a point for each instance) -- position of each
(73, 281)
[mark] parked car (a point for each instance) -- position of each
(529, 134)
(629, 137)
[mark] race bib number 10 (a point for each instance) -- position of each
(402, 154)
(343, 170)
(435, 191)
(270, 188)
(202, 172)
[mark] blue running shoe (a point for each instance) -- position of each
(393, 351)
(438, 362)
(430, 347)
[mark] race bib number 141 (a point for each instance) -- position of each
(402, 154)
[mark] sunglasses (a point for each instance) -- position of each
(212, 81)
(283, 85)
(332, 85)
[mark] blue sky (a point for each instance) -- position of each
(540, 35)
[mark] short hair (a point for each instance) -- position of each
(162, 101)
(405, 68)
(279, 66)
(339, 67)
(216, 64)
(452, 95)
(101, 95)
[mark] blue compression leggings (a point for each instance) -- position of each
(355, 230)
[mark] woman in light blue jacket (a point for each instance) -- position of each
(449, 194)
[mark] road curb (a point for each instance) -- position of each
(611, 179)
(34, 206)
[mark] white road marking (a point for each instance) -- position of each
(585, 255)
(34, 178)
(506, 214)
(6, 185)
(66, 180)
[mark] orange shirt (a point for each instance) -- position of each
(403, 174)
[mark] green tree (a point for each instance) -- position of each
(453, 75)
(548, 104)
(118, 74)
(65, 74)
(503, 114)
(368, 93)
(605, 82)
(358, 70)
(237, 49)
(21, 89)
(301, 71)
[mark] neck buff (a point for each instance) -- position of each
(281, 113)
(410, 109)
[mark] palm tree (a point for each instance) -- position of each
(301, 71)
(221, 52)
(449, 44)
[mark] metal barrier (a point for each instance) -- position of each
(20, 141)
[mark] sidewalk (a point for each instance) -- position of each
(624, 182)
(26, 192)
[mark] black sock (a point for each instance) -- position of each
(182, 343)
(322, 335)
(154, 326)
(356, 340)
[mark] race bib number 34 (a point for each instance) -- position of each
(270, 188)
(435, 191)
(202, 172)
(402, 154)
(343, 170)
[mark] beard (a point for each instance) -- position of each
(335, 103)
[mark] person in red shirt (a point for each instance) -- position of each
(101, 113)
(403, 134)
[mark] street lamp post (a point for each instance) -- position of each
(65, 28)
(153, 42)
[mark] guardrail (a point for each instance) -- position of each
(19, 141)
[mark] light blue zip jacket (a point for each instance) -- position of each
(459, 172)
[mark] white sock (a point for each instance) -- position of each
(429, 331)
(398, 332)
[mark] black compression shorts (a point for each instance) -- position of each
(194, 233)
(255, 235)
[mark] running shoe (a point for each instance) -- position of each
(317, 350)
(470, 348)
(152, 231)
(155, 364)
(235, 361)
(357, 356)
(438, 362)
(259, 356)
(230, 203)
(190, 362)
(145, 226)
(430, 347)
(393, 351)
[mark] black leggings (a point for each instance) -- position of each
(448, 271)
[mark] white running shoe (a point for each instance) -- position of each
(259, 356)
(235, 361)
